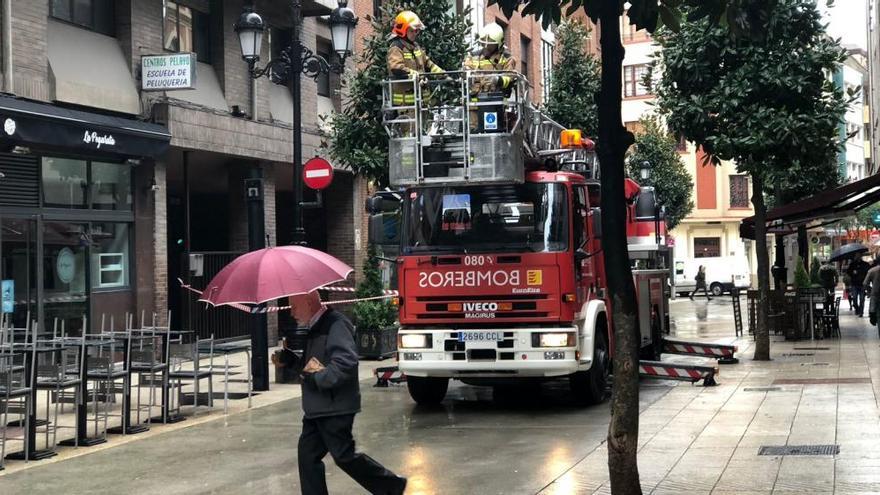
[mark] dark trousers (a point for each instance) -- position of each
(333, 434)
(698, 288)
(857, 295)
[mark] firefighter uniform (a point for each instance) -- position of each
(498, 61)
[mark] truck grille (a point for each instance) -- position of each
(460, 352)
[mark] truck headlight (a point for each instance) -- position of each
(415, 341)
(553, 339)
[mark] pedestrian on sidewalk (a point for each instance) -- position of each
(857, 271)
(872, 285)
(331, 398)
(701, 283)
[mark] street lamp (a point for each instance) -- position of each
(645, 170)
(293, 61)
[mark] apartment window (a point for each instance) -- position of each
(707, 247)
(525, 48)
(324, 49)
(187, 30)
(633, 80)
(739, 191)
(97, 15)
(546, 67)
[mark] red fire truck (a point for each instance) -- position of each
(500, 268)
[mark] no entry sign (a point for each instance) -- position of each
(317, 173)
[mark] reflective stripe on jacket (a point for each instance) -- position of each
(498, 61)
(406, 61)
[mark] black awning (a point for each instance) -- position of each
(821, 209)
(41, 124)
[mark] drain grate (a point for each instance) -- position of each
(761, 389)
(815, 364)
(811, 348)
(799, 450)
(798, 354)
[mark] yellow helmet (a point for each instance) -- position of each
(405, 21)
(492, 33)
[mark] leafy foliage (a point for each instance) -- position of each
(801, 278)
(356, 138)
(765, 103)
(376, 314)
(574, 80)
(865, 217)
(669, 176)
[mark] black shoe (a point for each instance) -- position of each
(692, 297)
(401, 486)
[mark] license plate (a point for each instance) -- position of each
(480, 336)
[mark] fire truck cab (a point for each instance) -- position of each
(500, 269)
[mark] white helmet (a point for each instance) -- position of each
(492, 34)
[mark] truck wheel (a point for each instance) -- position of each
(427, 391)
(589, 387)
(717, 289)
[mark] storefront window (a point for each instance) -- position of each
(110, 255)
(65, 292)
(111, 186)
(65, 183)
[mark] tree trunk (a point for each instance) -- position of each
(762, 333)
(614, 140)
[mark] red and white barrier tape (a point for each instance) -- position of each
(386, 292)
(671, 372)
(698, 349)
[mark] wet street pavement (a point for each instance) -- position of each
(693, 439)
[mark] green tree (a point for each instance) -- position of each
(379, 313)
(356, 138)
(743, 18)
(574, 80)
(669, 176)
(802, 279)
(766, 103)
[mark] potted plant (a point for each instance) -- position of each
(375, 321)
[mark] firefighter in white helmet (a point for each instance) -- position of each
(490, 55)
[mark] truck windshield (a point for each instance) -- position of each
(524, 217)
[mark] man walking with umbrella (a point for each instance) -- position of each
(331, 398)
(857, 272)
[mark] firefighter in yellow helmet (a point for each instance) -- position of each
(406, 59)
(490, 55)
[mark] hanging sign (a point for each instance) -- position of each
(168, 72)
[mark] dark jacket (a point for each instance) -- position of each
(335, 390)
(857, 271)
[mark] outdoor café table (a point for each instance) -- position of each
(166, 416)
(30, 356)
(83, 440)
(227, 348)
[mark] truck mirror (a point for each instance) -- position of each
(580, 255)
(596, 219)
(373, 205)
(376, 229)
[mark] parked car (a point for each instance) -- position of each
(722, 274)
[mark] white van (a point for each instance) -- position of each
(722, 273)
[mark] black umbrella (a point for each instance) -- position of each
(848, 251)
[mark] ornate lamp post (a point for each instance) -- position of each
(294, 61)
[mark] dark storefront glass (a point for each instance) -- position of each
(19, 270)
(111, 186)
(65, 273)
(65, 183)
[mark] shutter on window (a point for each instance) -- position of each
(20, 184)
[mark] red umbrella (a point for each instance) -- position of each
(273, 273)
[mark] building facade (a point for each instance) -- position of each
(114, 192)
(854, 160)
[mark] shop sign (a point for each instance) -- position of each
(8, 295)
(168, 72)
(98, 140)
